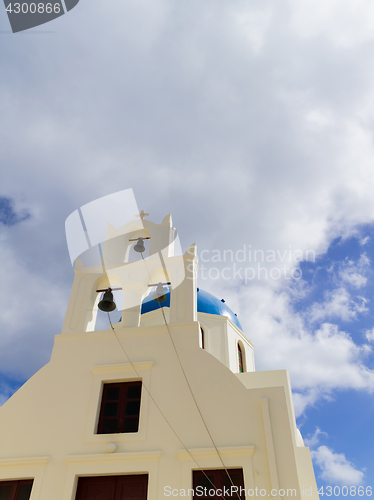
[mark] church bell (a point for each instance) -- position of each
(159, 295)
(139, 246)
(107, 303)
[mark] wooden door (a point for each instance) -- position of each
(132, 487)
(126, 487)
(96, 488)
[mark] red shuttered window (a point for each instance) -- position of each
(120, 408)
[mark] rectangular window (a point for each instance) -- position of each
(120, 408)
(127, 487)
(15, 490)
(217, 484)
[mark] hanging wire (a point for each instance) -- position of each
(190, 388)
(196, 403)
(158, 408)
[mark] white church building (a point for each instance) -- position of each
(166, 403)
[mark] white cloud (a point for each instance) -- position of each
(34, 311)
(336, 468)
(313, 440)
(337, 304)
(252, 25)
(302, 400)
(354, 279)
(353, 273)
(369, 334)
(6, 391)
(345, 23)
(4, 397)
(318, 119)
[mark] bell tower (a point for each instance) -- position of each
(115, 270)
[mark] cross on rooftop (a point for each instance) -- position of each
(142, 215)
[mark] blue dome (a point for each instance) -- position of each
(206, 303)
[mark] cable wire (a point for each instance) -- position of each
(196, 403)
(190, 389)
(157, 406)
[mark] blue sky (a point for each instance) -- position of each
(345, 417)
(251, 121)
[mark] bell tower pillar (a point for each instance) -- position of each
(183, 303)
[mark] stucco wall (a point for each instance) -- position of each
(47, 429)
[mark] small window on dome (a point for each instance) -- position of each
(202, 338)
(241, 359)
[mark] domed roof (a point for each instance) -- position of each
(206, 303)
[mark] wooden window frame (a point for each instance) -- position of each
(220, 477)
(105, 374)
(122, 401)
(16, 486)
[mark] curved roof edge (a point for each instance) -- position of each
(206, 303)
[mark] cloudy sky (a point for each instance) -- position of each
(252, 123)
